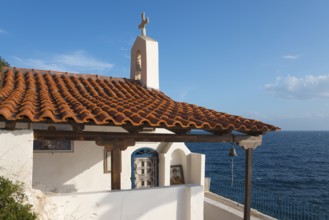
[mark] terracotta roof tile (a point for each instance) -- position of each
(37, 96)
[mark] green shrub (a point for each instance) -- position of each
(3, 62)
(12, 202)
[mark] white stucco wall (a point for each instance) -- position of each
(77, 171)
(16, 155)
(83, 169)
(174, 203)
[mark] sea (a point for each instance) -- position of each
(290, 164)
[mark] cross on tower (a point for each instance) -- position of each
(143, 24)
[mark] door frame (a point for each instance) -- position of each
(148, 152)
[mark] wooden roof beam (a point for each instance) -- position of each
(242, 140)
(179, 130)
(219, 132)
(78, 127)
(132, 129)
(10, 125)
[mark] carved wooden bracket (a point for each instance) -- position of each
(252, 142)
(118, 144)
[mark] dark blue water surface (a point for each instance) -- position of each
(291, 163)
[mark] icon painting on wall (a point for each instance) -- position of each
(176, 175)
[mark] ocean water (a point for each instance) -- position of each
(290, 163)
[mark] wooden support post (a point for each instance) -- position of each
(249, 145)
(248, 182)
(116, 168)
(115, 146)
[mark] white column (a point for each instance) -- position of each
(197, 168)
(164, 171)
(194, 202)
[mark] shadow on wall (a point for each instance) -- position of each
(162, 146)
(74, 171)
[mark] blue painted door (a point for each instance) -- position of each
(144, 168)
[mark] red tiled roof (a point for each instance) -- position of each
(38, 96)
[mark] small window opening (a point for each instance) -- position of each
(138, 74)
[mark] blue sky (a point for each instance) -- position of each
(261, 59)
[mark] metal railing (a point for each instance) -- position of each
(267, 202)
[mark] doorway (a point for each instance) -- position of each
(144, 168)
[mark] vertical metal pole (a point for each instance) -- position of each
(247, 187)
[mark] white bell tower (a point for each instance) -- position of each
(145, 58)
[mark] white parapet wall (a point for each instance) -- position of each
(184, 202)
(16, 155)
